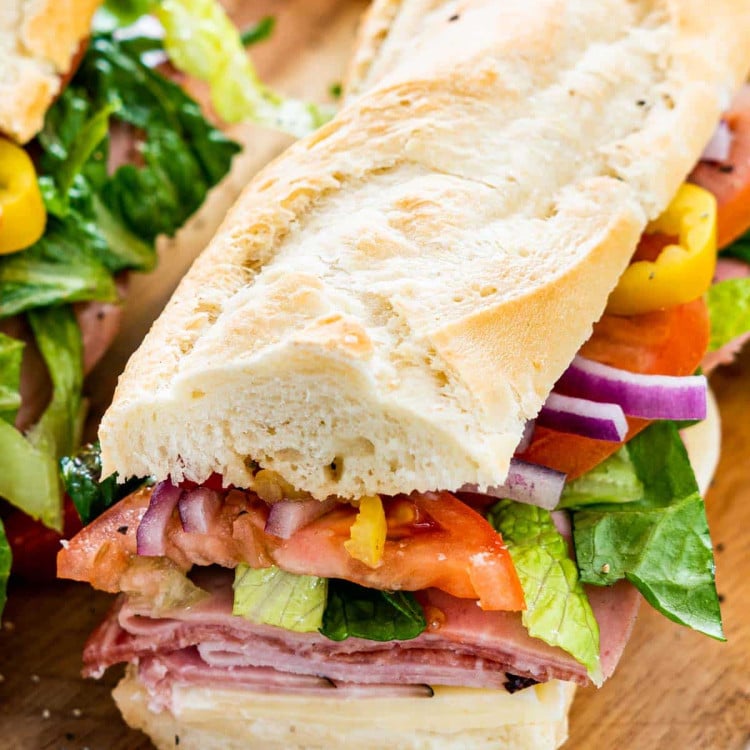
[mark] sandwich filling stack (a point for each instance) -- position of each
(408, 433)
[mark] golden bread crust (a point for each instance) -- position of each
(397, 294)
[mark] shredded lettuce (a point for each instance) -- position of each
(82, 478)
(729, 310)
(354, 611)
(272, 596)
(557, 608)
(6, 560)
(202, 41)
(11, 354)
(612, 481)
(659, 542)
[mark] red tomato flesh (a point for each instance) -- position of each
(433, 541)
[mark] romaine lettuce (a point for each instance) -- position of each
(11, 353)
(659, 542)
(612, 481)
(64, 266)
(28, 464)
(272, 596)
(98, 224)
(557, 608)
(729, 310)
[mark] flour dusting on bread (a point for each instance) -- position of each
(397, 294)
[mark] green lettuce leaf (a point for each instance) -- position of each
(82, 478)
(271, 596)
(557, 608)
(729, 310)
(59, 340)
(73, 131)
(612, 481)
(202, 41)
(65, 265)
(6, 560)
(659, 542)
(98, 223)
(11, 354)
(183, 155)
(354, 611)
(28, 464)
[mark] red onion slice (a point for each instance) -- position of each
(289, 516)
(198, 508)
(719, 147)
(583, 417)
(647, 396)
(526, 483)
(151, 537)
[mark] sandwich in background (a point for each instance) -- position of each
(103, 152)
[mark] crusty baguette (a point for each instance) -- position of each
(392, 299)
(38, 42)
(216, 719)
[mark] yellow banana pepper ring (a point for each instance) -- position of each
(368, 532)
(682, 272)
(22, 213)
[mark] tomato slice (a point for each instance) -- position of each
(34, 546)
(434, 541)
(730, 182)
(667, 342)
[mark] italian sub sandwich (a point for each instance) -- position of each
(409, 431)
(101, 152)
(86, 127)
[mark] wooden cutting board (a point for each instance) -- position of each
(674, 690)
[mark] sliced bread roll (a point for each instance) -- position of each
(391, 300)
(38, 44)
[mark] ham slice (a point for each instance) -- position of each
(463, 645)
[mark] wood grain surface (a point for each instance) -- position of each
(674, 689)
